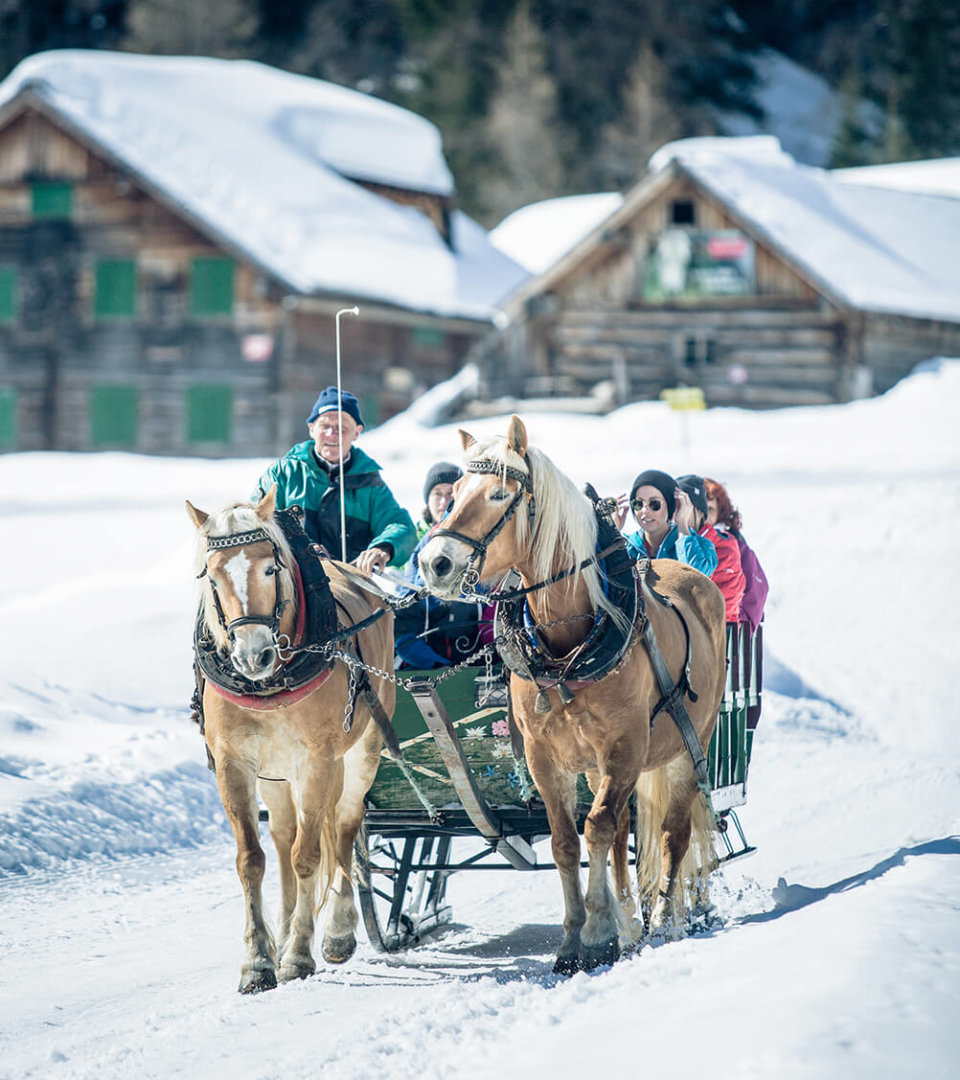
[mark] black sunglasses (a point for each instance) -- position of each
(636, 505)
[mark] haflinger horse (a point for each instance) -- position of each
(308, 757)
(604, 729)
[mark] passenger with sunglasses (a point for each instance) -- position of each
(667, 520)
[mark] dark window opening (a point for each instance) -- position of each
(683, 212)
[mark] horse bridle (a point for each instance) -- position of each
(272, 622)
(471, 576)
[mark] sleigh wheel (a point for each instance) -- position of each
(401, 889)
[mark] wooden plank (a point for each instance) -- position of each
(760, 316)
(788, 337)
(754, 357)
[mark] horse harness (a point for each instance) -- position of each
(608, 640)
(317, 622)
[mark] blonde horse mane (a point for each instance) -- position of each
(564, 522)
(236, 518)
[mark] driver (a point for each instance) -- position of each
(379, 531)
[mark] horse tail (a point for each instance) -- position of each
(329, 863)
(653, 798)
(656, 791)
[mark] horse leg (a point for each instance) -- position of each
(237, 784)
(599, 942)
(558, 789)
(359, 770)
(312, 852)
(278, 799)
(631, 928)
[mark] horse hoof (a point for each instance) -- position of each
(566, 965)
(301, 970)
(594, 956)
(338, 950)
(255, 982)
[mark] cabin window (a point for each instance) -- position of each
(8, 294)
(52, 200)
(211, 286)
(209, 413)
(116, 289)
(8, 417)
(114, 415)
(683, 212)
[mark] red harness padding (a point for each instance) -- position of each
(281, 699)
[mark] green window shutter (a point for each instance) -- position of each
(8, 294)
(429, 337)
(8, 417)
(52, 200)
(114, 415)
(209, 413)
(116, 291)
(211, 286)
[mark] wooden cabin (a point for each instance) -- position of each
(763, 284)
(134, 318)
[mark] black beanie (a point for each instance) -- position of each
(695, 487)
(663, 482)
(444, 472)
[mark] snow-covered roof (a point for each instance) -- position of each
(940, 176)
(261, 158)
(877, 249)
(537, 235)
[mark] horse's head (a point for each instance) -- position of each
(243, 562)
(473, 541)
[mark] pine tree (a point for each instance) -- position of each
(522, 122)
(647, 122)
(188, 28)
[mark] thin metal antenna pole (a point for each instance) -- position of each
(343, 506)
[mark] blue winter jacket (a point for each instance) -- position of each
(692, 549)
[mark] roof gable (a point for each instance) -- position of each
(870, 248)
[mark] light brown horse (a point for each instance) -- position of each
(514, 508)
(311, 764)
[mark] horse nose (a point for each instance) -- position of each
(265, 659)
(442, 567)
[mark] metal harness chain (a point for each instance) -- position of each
(487, 651)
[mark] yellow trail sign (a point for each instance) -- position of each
(684, 398)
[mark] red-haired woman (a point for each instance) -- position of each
(725, 517)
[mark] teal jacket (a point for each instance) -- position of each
(374, 518)
(692, 549)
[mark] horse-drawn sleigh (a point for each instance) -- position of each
(620, 715)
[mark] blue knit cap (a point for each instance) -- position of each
(327, 402)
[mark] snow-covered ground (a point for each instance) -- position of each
(839, 951)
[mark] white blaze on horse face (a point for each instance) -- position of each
(238, 570)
